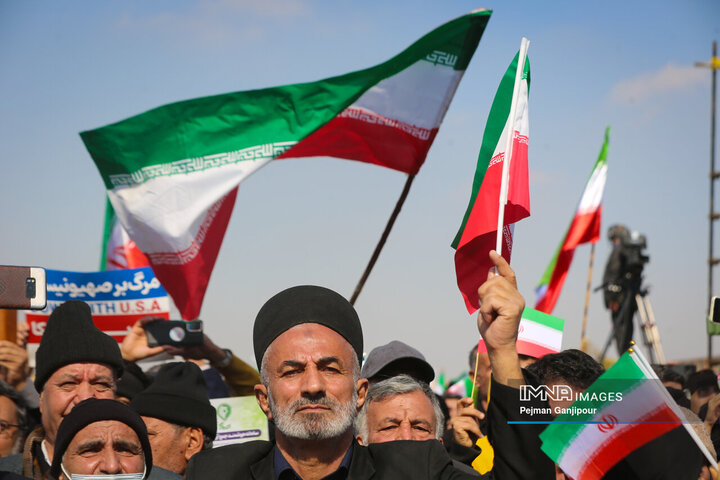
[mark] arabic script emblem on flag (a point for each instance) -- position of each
(609, 422)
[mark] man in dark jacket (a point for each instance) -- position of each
(308, 345)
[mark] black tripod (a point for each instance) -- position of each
(636, 301)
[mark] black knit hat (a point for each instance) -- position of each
(71, 337)
(178, 395)
(132, 382)
(306, 304)
(94, 410)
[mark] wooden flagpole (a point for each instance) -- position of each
(583, 338)
(383, 238)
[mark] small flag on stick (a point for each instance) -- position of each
(624, 409)
(500, 195)
(538, 334)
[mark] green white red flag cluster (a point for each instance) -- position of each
(478, 233)
(172, 173)
(584, 228)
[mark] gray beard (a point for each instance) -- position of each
(314, 426)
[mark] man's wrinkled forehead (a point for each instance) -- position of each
(309, 340)
(103, 432)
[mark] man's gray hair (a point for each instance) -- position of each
(399, 385)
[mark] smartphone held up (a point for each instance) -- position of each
(23, 287)
(177, 333)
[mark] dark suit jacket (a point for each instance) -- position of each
(392, 460)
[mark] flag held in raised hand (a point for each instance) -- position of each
(507, 130)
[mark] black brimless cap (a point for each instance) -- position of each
(93, 410)
(306, 304)
(178, 395)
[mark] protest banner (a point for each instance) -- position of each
(117, 299)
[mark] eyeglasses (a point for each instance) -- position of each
(4, 426)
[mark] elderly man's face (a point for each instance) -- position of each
(106, 447)
(70, 385)
(8, 438)
(172, 445)
(408, 416)
(312, 393)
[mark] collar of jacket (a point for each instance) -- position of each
(361, 466)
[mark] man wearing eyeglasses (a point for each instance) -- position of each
(12, 420)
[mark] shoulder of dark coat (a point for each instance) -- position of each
(413, 459)
(11, 463)
(227, 461)
(158, 473)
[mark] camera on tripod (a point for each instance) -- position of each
(632, 246)
(624, 293)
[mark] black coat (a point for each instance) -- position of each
(391, 460)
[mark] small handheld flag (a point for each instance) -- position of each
(500, 195)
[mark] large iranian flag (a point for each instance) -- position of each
(584, 228)
(478, 232)
(624, 409)
(172, 173)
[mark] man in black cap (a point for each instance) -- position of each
(102, 437)
(178, 414)
(308, 344)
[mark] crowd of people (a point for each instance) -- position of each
(88, 411)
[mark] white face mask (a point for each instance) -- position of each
(118, 476)
(110, 476)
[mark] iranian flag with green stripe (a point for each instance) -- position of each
(478, 233)
(584, 228)
(538, 334)
(172, 173)
(624, 409)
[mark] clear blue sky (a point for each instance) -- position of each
(72, 66)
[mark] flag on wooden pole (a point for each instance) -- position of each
(506, 131)
(172, 173)
(584, 228)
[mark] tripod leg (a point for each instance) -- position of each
(657, 345)
(645, 326)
